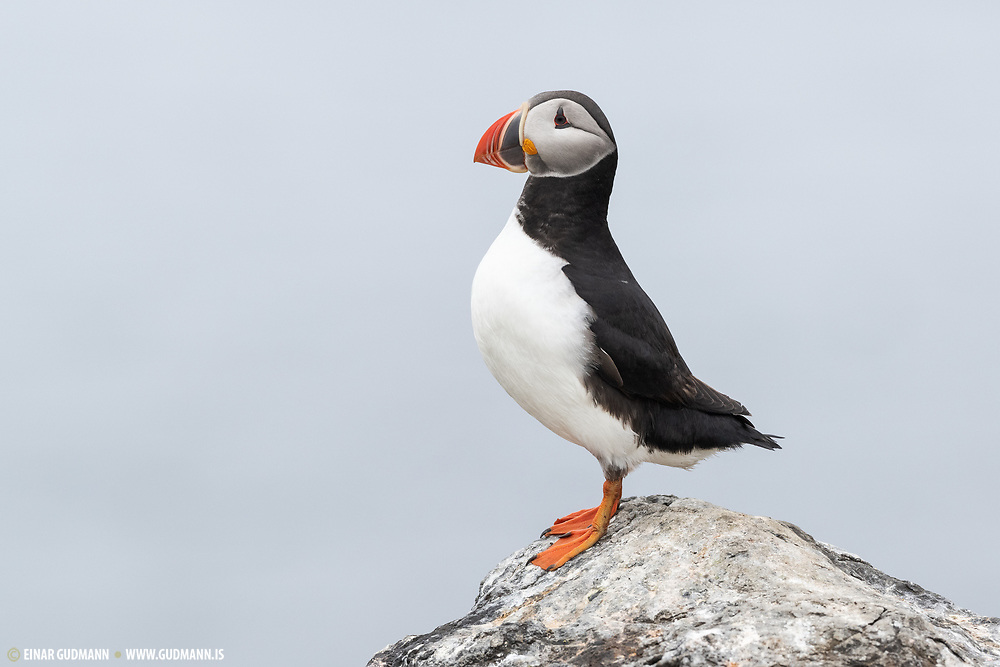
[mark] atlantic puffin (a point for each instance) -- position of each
(567, 331)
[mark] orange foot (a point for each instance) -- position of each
(580, 530)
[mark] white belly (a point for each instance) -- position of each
(533, 332)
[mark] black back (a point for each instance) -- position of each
(638, 373)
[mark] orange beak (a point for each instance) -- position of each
(501, 145)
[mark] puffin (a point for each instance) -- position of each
(567, 331)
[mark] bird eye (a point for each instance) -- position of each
(560, 119)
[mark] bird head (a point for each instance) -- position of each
(558, 133)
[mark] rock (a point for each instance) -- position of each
(680, 582)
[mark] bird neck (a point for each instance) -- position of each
(556, 210)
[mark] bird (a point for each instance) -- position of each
(567, 331)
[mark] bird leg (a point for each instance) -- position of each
(580, 530)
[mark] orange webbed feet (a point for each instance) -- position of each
(566, 547)
(576, 521)
(580, 530)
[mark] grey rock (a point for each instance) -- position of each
(680, 582)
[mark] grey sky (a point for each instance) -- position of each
(241, 402)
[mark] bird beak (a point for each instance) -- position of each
(501, 145)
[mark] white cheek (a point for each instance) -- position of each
(571, 151)
(566, 151)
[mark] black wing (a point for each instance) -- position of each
(637, 353)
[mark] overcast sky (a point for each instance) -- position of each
(242, 407)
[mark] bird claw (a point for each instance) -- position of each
(548, 533)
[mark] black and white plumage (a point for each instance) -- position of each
(561, 321)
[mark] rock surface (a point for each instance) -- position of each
(680, 582)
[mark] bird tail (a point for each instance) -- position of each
(755, 437)
(765, 440)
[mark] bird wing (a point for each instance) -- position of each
(636, 352)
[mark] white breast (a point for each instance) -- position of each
(532, 330)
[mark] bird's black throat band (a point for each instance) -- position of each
(564, 214)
